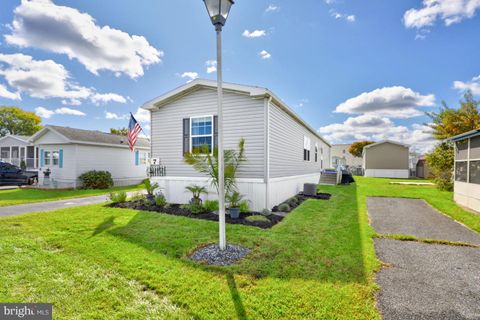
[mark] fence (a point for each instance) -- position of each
(156, 170)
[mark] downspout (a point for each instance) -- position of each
(267, 152)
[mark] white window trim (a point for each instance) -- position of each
(202, 135)
(58, 159)
(316, 152)
(49, 158)
(308, 143)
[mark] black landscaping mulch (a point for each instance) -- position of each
(175, 209)
(301, 198)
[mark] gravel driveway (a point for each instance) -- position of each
(420, 280)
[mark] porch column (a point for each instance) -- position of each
(10, 154)
(35, 157)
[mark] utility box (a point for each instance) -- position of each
(310, 189)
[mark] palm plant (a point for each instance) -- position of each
(206, 163)
(196, 191)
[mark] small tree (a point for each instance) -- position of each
(196, 191)
(14, 120)
(356, 148)
(206, 163)
(440, 161)
(119, 131)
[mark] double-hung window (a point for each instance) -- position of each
(316, 153)
(55, 157)
(306, 148)
(201, 134)
(46, 156)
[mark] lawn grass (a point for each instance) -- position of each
(107, 263)
(20, 196)
(96, 262)
(441, 200)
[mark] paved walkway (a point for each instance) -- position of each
(53, 205)
(424, 281)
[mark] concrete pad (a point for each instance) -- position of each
(415, 217)
(428, 281)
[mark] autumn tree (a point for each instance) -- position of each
(356, 148)
(119, 131)
(447, 123)
(14, 120)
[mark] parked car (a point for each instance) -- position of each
(13, 175)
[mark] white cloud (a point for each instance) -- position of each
(4, 93)
(473, 85)
(47, 79)
(190, 75)
(264, 54)
(114, 116)
(61, 29)
(449, 11)
(272, 8)
(372, 127)
(142, 115)
(46, 113)
(72, 112)
(99, 98)
(211, 66)
(343, 16)
(395, 102)
(302, 102)
(254, 34)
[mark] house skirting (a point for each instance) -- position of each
(56, 183)
(387, 173)
(255, 190)
(467, 195)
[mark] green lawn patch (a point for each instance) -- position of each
(100, 262)
(257, 217)
(21, 196)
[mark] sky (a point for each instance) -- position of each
(354, 70)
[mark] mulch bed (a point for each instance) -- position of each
(301, 197)
(175, 209)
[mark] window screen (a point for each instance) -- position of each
(475, 172)
(461, 171)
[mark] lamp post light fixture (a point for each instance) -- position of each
(218, 11)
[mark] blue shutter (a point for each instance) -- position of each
(60, 158)
(42, 158)
(137, 158)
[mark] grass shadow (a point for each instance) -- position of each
(105, 225)
(320, 240)
(237, 300)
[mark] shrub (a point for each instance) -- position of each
(234, 199)
(194, 208)
(444, 184)
(117, 197)
(284, 207)
(292, 202)
(96, 180)
(257, 218)
(149, 187)
(210, 205)
(136, 196)
(160, 200)
(196, 191)
(244, 206)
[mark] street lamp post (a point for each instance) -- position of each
(218, 11)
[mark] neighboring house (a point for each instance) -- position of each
(14, 149)
(422, 169)
(387, 159)
(69, 152)
(467, 169)
(283, 152)
(341, 156)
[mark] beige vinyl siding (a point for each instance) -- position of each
(387, 156)
(286, 146)
(243, 117)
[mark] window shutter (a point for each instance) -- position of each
(137, 157)
(215, 131)
(186, 135)
(42, 158)
(60, 158)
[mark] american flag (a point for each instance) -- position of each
(133, 131)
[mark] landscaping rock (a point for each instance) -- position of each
(212, 254)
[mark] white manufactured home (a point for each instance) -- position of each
(386, 159)
(466, 187)
(69, 152)
(283, 152)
